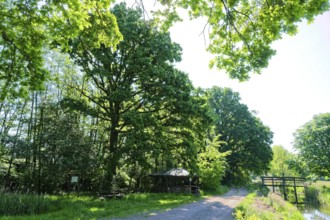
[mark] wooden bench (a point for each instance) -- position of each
(115, 195)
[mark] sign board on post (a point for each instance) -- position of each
(74, 179)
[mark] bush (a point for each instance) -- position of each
(23, 204)
(312, 197)
(318, 196)
(212, 166)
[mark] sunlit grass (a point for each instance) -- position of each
(76, 207)
(25, 204)
(319, 184)
(89, 207)
(268, 207)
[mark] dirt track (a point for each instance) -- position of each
(214, 208)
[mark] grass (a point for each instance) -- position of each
(24, 204)
(86, 207)
(260, 206)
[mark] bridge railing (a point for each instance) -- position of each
(283, 182)
(280, 181)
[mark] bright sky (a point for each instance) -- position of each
(294, 87)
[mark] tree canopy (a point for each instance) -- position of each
(112, 118)
(246, 138)
(282, 162)
(147, 105)
(312, 141)
(113, 107)
(212, 165)
(28, 27)
(240, 32)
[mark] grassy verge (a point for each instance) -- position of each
(318, 196)
(257, 205)
(86, 207)
(24, 204)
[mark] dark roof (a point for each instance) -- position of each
(173, 172)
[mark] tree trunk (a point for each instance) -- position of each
(13, 150)
(113, 158)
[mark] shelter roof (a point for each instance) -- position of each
(173, 172)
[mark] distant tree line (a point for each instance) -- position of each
(311, 158)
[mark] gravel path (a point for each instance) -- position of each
(214, 208)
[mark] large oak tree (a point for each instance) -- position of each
(148, 106)
(244, 135)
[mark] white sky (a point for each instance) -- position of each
(294, 87)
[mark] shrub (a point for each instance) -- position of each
(318, 196)
(212, 166)
(312, 196)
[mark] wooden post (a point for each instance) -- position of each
(273, 184)
(189, 184)
(295, 190)
(284, 192)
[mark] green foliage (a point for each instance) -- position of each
(149, 109)
(241, 32)
(23, 204)
(2, 154)
(219, 190)
(282, 159)
(212, 165)
(28, 27)
(244, 135)
(126, 114)
(312, 141)
(123, 111)
(312, 197)
(64, 150)
(299, 167)
(318, 196)
(258, 187)
(240, 37)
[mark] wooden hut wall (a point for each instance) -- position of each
(173, 184)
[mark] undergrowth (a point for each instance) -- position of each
(262, 205)
(318, 196)
(25, 204)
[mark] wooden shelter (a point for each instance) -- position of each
(176, 180)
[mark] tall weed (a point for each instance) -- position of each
(318, 196)
(23, 204)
